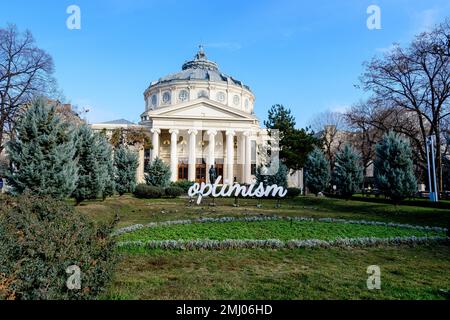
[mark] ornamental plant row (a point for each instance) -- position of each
(276, 244)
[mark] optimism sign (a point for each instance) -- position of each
(207, 189)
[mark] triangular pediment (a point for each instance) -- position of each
(201, 109)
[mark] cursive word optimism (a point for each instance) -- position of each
(208, 189)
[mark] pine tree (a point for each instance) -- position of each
(317, 172)
(126, 163)
(42, 154)
(393, 168)
(157, 174)
(347, 174)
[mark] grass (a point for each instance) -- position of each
(418, 272)
(406, 273)
(278, 229)
(134, 211)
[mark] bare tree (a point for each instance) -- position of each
(370, 120)
(415, 81)
(330, 125)
(25, 72)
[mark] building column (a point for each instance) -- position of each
(241, 157)
(140, 170)
(155, 143)
(248, 158)
(230, 156)
(174, 154)
(192, 156)
(211, 152)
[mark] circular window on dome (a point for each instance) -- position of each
(183, 96)
(154, 100)
(166, 97)
(221, 97)
(236, 100)
(203, 94)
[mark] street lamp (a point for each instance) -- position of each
(432, 169)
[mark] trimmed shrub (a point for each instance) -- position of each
(39, 239)
(173, 192)
(183, 184)
(293, 192)
(144, 191)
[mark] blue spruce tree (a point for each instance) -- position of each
(347, 174)
(126, 163)
(157, 174)
(317, 171)
(107, 159)
(42, 154)
(393, 168)
(94, 156)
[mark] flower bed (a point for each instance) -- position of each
(272, 232)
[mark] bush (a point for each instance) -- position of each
(39, 239)
(183, 184)
(173, 192)
(144, 191)
(293, 192)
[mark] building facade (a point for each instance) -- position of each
(198, 118)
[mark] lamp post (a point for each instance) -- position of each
(431, 169)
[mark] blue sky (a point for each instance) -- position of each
(307, 55)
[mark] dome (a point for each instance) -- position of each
(200, 69)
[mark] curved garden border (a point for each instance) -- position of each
(274, 243)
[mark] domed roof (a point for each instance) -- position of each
(200, 69)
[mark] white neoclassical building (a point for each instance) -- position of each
(199, 117)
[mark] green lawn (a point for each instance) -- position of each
(408, 272)
(278, 229)
(134, 211)
(419, 272)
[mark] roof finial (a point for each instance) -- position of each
(201, 52)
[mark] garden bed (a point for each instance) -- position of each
(272, 232)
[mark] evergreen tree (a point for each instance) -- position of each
(157, 174)
(91, 182)
(42, 153)
(317, 172)
(347, 174)
(126, 163)
(393, 168)
(107, 159)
